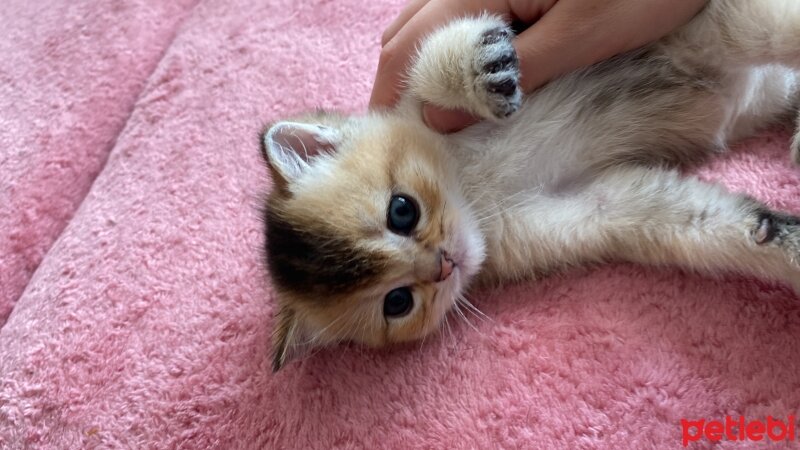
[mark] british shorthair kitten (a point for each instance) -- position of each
(376, 226)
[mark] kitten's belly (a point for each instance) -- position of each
(551, 146)
(516, 157)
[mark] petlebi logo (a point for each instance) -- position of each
(738, 429)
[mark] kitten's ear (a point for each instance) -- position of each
(288, 339)
(289, 147)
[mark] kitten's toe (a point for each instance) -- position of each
(782, 230)
(497, 68)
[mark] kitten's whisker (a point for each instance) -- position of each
(477, 316)
(449, 330)
(501, 205)
(422, 343)
(482, 220)
(474, 309)
(481, 194)
(461, 313)
(361, 324)
(358, 325)
(453, 337)
(525, 195)
(316, 337)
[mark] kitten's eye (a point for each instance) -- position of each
(398, 302)
(402, 216)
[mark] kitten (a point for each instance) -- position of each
(376, 225)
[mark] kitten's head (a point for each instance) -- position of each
(368, 238)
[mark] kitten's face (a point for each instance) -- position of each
(368, 238)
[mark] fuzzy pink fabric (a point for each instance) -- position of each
(147, 323)
(70, 72)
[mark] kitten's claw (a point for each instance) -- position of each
(765, 231)
(494, 36)
(781, 229)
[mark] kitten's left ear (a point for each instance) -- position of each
(289, 147)
(289, 341)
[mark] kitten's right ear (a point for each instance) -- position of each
(289, 147)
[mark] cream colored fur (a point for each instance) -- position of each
(533, 175)
(576, 172)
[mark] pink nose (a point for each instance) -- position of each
(447, 266)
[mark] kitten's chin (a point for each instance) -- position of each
(470, 251)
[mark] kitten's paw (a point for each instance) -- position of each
(470, 64)
(496, 72)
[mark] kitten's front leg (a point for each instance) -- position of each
(649, 216)
(469, 64)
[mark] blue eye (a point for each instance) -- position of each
(398, 302)
(402, 215)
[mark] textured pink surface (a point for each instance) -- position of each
(70, 73)
(147, 323)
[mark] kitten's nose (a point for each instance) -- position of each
(447, 265)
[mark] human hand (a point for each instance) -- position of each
(565, 35)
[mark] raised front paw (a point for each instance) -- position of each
(496, 72)
(469, 64)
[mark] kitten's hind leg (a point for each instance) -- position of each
(654, 217)
(737, 33)
(469, 64)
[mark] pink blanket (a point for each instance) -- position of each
(130, 237)
(70, 72)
